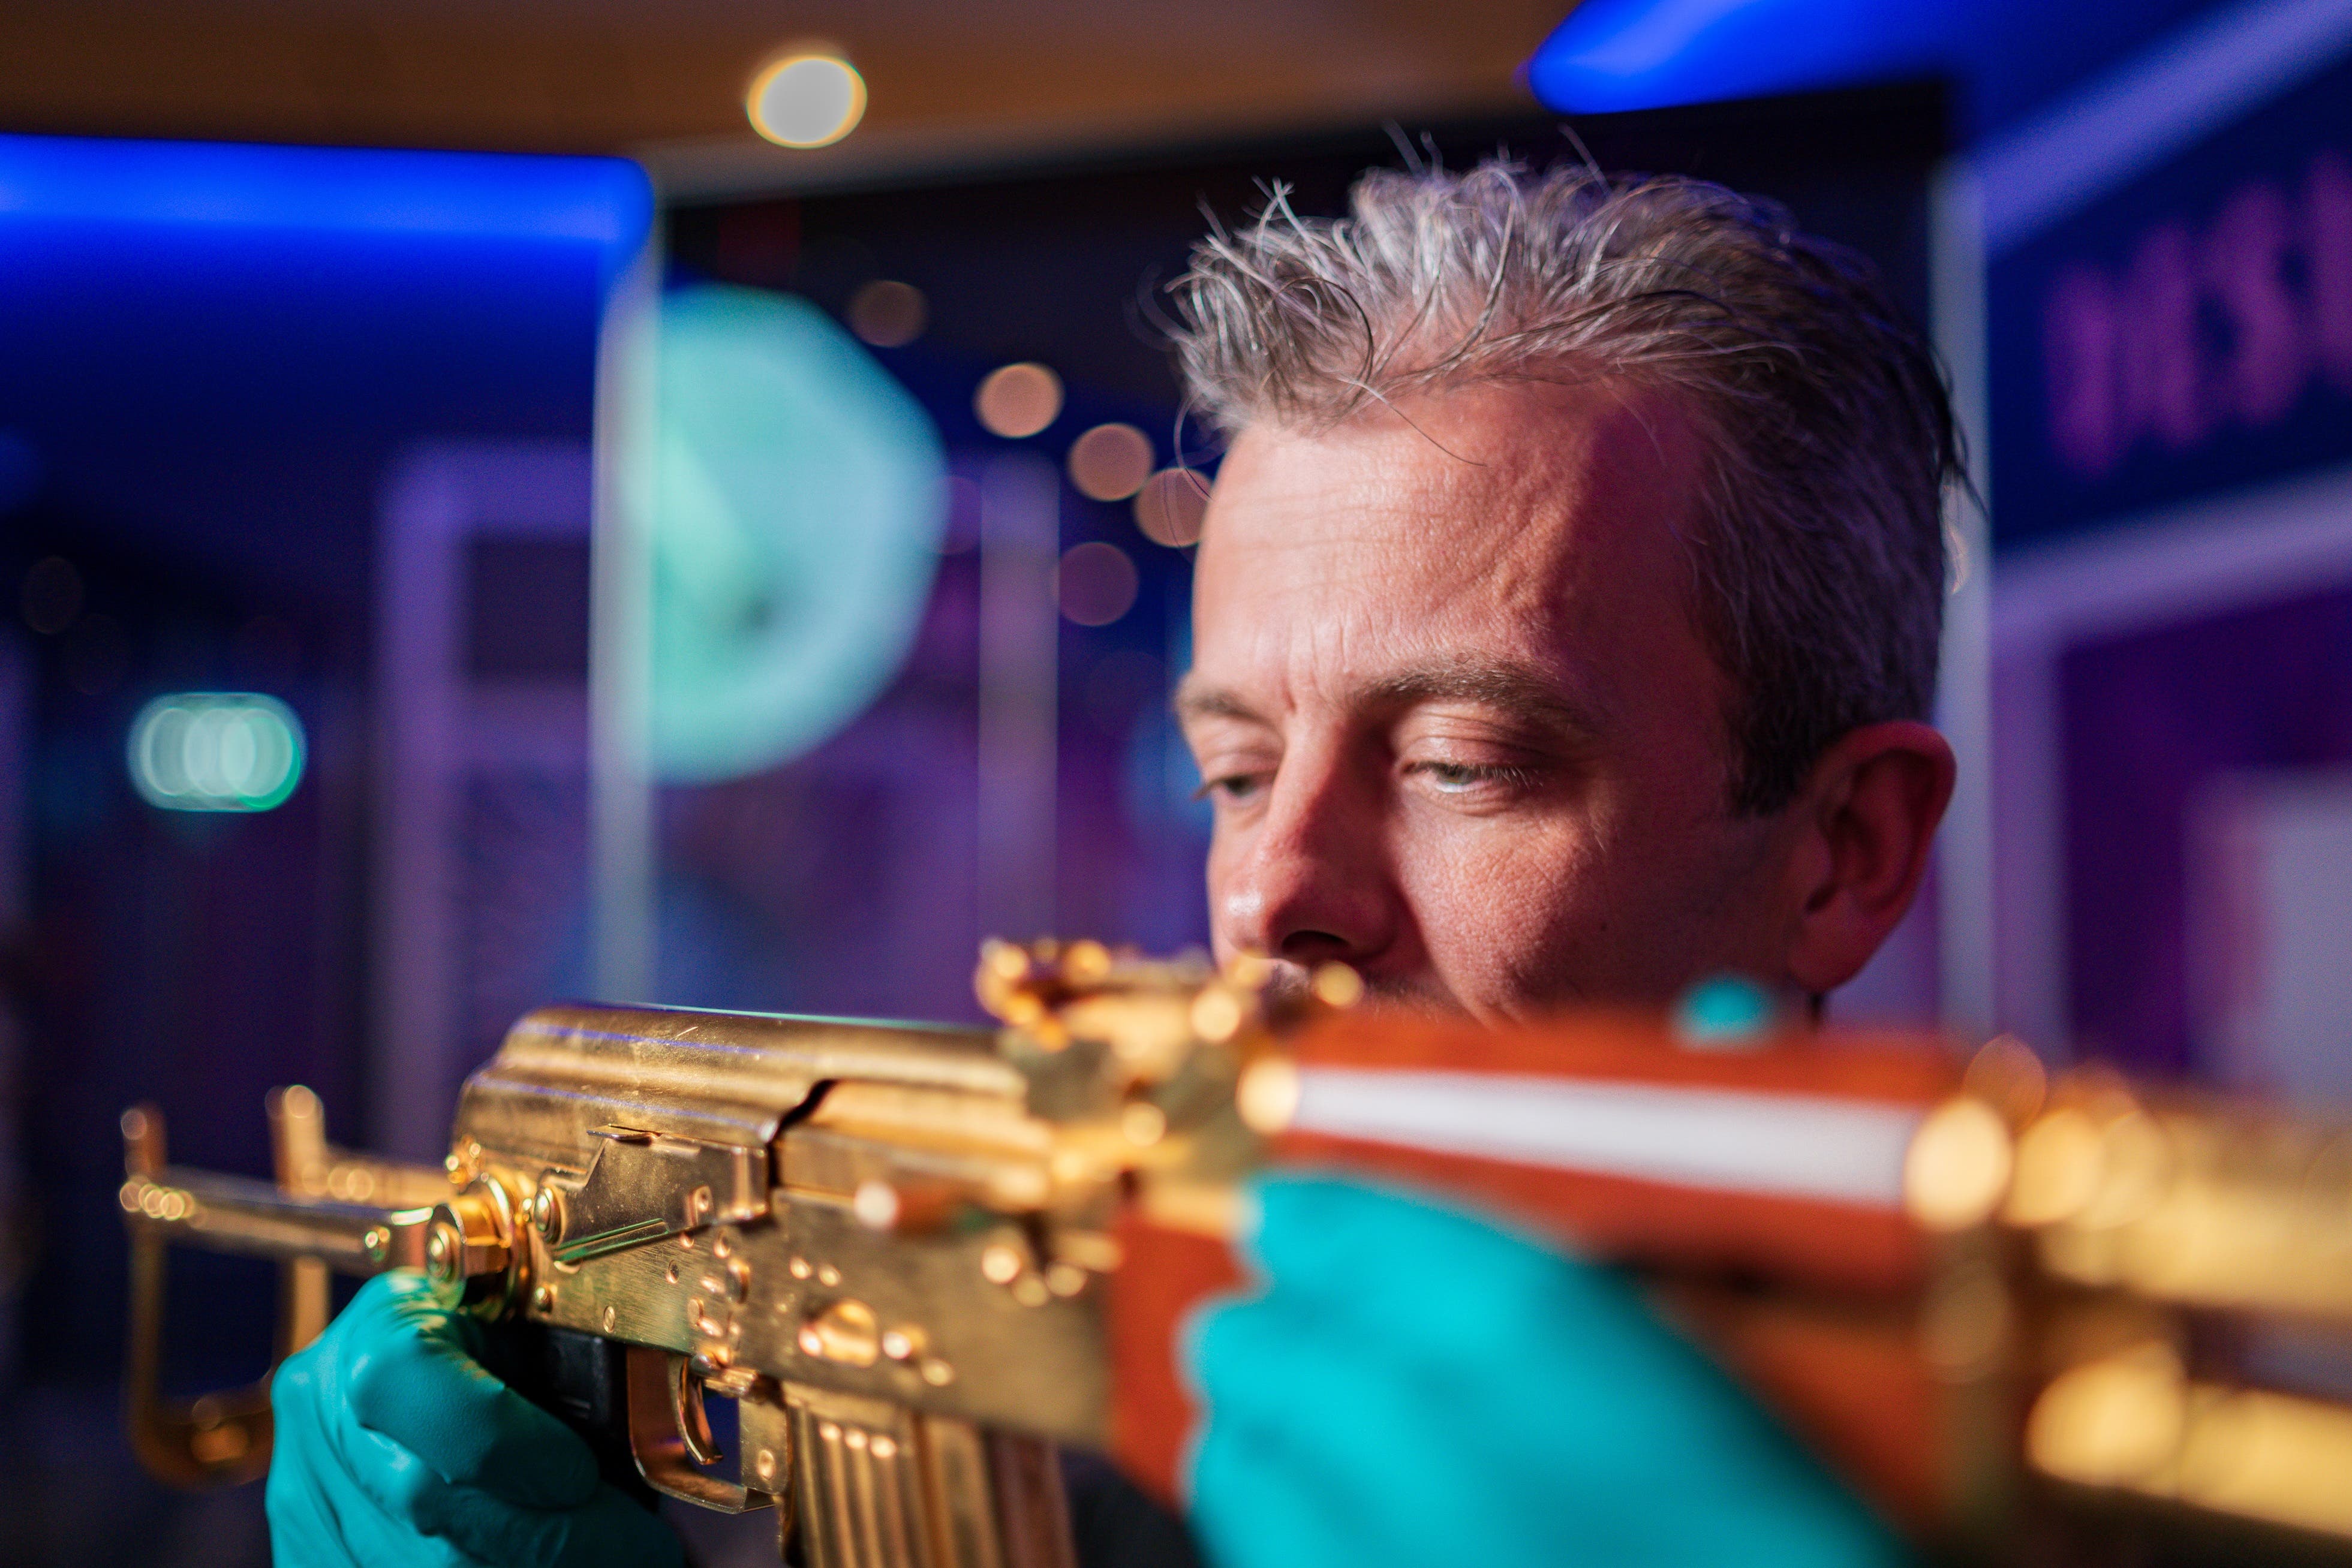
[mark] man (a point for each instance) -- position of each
(1565, 621)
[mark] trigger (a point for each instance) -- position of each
(693, 1421)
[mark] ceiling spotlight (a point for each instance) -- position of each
(806, 100)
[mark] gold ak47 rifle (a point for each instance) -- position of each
(917, 1258)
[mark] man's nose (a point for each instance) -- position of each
(1310, 880)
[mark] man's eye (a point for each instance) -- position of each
(1234, 787)
(1467, 778)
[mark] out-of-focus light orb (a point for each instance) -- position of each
(1095, 584)
(215, 751)
(888, 314)
(1018, 400)
(1170, 506)
(796, 493)
(1110, 462)
(806, 100)
(52, 596)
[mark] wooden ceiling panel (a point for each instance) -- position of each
(667, 80)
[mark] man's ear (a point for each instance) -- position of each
(1863, 826)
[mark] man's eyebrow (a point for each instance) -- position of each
(1194, 699)
(1519, 691)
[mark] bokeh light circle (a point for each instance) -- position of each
(796, 493)
(1017, 401)
(52, 595)
(215, 751)
(1171, 507)
(888, 314)
(1110, 462)
(1095, 584)
(806, 100)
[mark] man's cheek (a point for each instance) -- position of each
(1497, 913)
(1477, 903)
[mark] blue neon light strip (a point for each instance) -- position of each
(603, 201)
(1613, 55)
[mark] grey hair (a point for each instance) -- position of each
(1819, 560)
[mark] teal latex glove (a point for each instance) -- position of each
(1413, 1385)
(394, 1449)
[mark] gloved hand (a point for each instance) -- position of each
(395, 1450)
(1415, 1387)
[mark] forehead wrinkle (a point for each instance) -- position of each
(1196, 698)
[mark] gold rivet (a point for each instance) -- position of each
(1338, 985)
(2058, 1168)
(938, 1373)
(1267, 1095)
(1958, 1167)
(1216, 1015)
(999, 1264)
(544, 1297)
(844, 1332)
(610, 1318)
(876, 1205)
(765, 1464)
(1143, 1124)
(827, 1275)
(799, 1269)
(2112, 1421)
(1031, 1292)
(671, 1273)
(1065, 1279)
(884, 1448)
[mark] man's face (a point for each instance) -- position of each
(1458, 727)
